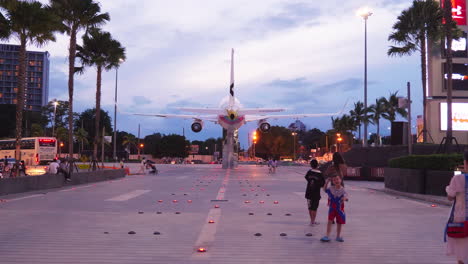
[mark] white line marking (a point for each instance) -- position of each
(25, 197)
(208, 231)
(128, 196)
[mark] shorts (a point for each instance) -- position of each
(313, 204)
(340, 218)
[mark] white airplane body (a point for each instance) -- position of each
(231, 115)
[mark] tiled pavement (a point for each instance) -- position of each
(90, 223)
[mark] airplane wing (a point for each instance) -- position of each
(212, 118)
(252, 111)
(251, 118)
(214, 111)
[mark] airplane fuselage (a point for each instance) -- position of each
(231, 121)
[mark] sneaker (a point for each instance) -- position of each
(314, 223)
(339, 239)
(325, 239)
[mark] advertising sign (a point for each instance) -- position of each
(194, 149)
(458, 11)
(459, 116)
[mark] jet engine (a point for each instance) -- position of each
(264, 126)
(197, 126)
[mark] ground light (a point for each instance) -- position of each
(216, 206)
(276, 202)
(211, 221)
(201, 249)
(433, 205)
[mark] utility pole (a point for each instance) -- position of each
(138, 144)
(102, 146)
(410, 136)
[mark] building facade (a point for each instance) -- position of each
(437, 91)
(37, 77)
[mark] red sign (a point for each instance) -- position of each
(458, 11)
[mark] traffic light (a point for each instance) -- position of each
(142, 145)
(61, 144)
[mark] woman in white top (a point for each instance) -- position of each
(458, 247)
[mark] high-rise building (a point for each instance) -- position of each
(37, 77)
(436, 114)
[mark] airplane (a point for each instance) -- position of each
(231, 115)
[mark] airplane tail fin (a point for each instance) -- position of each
(231, 85)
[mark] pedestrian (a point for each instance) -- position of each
(143, 165)
(22, 168)
(53, 167)
(457, 240)
(63, 168)
(336, 198)
(315, 181)
(121, 164)
(274, 164)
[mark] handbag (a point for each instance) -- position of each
(458, 229)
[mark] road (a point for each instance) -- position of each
(169, 214)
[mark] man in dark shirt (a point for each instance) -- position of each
(315, 181)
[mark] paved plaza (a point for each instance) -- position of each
(169, 214)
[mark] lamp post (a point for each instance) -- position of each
(254, 141)
(115, 111)
(55, 103)
(294, 144)
(365, 13)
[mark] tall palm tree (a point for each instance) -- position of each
(30, 23)
(99, 49)
(358, 114)
(392, 109)
(129, 141)
(377, 110)
(420, 22)
(82, 136)
(76, 15)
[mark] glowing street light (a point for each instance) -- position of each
(294, 134)
(365, 13)
(254, 140)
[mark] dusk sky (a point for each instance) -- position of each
(306, 56)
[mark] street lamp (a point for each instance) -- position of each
(365, 13)
(55, 103)
(115, 109)
(254, 140)
(294, 143)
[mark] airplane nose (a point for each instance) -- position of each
(232, 116)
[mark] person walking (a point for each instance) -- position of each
(457, 191)
(315, 182)
(336, 198)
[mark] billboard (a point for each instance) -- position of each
(459, 47)
(459, 116)
(459, 76)
(458, 11)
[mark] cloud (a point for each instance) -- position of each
(141, 100)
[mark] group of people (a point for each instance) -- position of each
(11, 169)
(60, 166)
(334, 188)
(330, 179)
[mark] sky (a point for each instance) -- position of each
(305, 56)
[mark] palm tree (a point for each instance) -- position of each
(31, 23)
(358, 114)
(420, 22)
(129, 141)
(392, 109)
(377, 110)
(82, 136)
(99, 49)
(76, 15)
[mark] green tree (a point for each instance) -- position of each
(360, 115)
(30, 23)
(276, 143)
(153, 144)
(100, 50)
(62, 137)
(130, 142)
(174, 146)
(61, 113)
(392, 109)
(419, 23)
(36, 130)
(76, 15)
(378, 110)
(87, 121)
(81, 135)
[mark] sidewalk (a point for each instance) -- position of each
(380, 187)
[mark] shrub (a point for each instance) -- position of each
(440, 162)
